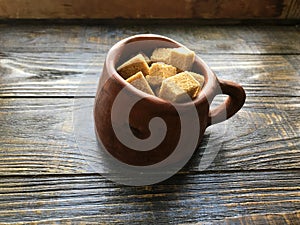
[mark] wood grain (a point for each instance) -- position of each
(98, 39)
(37, 137)
(93, 9)
(270, 218)
(185, 198)
(72, 74)
(294, 9)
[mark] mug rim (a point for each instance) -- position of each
(209, 77)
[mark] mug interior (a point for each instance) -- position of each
(147, 43)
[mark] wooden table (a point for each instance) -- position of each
(254, 179)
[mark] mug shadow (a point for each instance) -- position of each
(163, 201)
(103, 163)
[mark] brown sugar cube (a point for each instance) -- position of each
(179, 88)
(154, 81)
(133, 65)
(158, 72)
(197, 77)
(139, 81)
(161, 55)
(182, 58)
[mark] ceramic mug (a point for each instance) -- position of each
(121, 108)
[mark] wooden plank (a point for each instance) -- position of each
(270, 218)
(185, 198)
(69, 74)
(37, 137)
(294, 10)
(52, 139)
(254, 177)
(98, 39)
(93, 9)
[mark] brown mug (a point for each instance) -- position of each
(109, 116)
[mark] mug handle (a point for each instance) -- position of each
(232, 104)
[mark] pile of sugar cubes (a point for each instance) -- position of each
(165, 74)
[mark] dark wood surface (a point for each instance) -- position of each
(44, 177)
